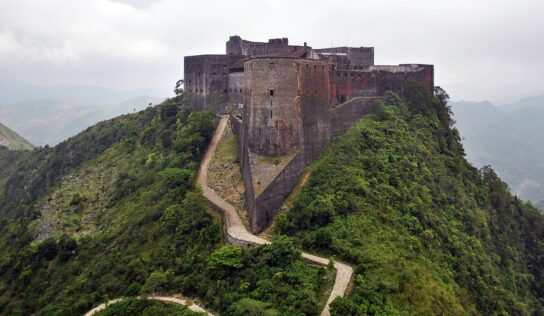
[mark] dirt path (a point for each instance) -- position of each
(238, 234)
(166, 299)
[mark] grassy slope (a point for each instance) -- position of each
(123, 217)
(16, 142)
(427, 232)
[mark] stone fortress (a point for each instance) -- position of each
(286, 103)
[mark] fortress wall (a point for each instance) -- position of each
(243, 156)
(427, 75)
(236, 88)
(314, 100)
(316, 126)
(359, 56)
(345, 115)
(271, 199)
(314, 133)
(273, 118)
(206, 79)
(237, 46)
(347, 84)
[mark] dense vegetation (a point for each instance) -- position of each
(427, 232)
(120, 215)
(133, 307)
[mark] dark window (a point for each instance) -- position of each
(271, 92)
(225, 91)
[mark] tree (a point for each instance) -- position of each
(281, 252)
(225, 259)
(251, 307)
(178, 90)
(48, 249)
(155, 281)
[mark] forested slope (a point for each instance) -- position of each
(428, 233)
(115, 211)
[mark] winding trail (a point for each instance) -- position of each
(238, 234)
(166, 299)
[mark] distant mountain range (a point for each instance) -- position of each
(48, 122)
(12, 91)
(12, 140)
(508, 137)
(49, 115)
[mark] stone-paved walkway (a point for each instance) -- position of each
(238, 234)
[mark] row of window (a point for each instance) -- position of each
(315, 67)
(352, 75)
(198, 75)
(199, 67)
(224, 91)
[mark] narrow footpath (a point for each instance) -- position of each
(166, 299)
(238, 234)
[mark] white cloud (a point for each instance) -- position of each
(481, 49)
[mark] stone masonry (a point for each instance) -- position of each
(286, 102)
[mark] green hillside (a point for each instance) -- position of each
(12, 140)
(114, 211)
(428, 233)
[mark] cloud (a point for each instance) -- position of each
(481, 49)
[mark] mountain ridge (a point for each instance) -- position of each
(12, 140)
(509, 138)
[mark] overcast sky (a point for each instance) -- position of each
(481, 49)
